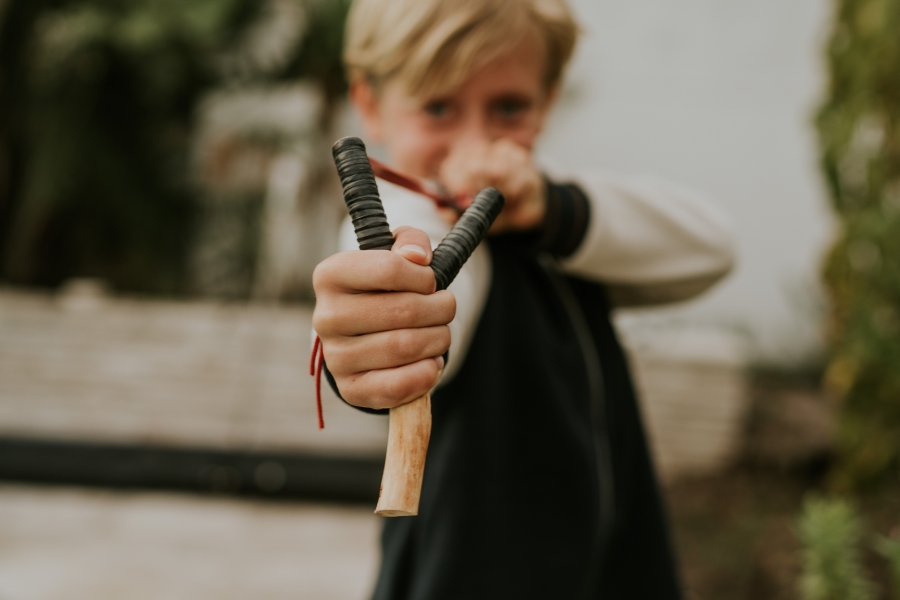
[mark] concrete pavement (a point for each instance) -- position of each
(76, 544)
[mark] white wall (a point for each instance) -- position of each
(719, 95)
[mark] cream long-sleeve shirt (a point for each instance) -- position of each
(648, 242)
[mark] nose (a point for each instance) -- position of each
(474, 130)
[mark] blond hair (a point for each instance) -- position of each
(432, 46)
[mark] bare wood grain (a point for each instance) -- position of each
(404, 465)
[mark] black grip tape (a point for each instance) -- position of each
(370, 222)
(455, 249)
(361, 194)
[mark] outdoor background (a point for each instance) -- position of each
(166, 189)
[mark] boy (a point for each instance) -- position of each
(538, 481)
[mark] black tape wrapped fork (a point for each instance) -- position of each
(410, 423)
(361, 195)
(455, 249)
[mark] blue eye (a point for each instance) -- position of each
(437, 108)
(509, 108)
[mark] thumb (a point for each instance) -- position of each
(413, 245)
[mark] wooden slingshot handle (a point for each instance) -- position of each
(410, 424)
(404, 463)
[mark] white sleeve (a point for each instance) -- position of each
(650, 242)
(470, 288)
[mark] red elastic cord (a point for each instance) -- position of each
(315, 369)
(312, 359)
(382, 171)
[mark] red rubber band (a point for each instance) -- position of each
(382, 171)
(316, 361)
(312, 358)
(319, 388)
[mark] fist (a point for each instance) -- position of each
(383, 327)
(505, 165)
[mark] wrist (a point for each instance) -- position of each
(565, 220)
(533, 220)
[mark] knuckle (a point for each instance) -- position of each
(321, 275)
(404, 310)
(392, 391)
(323, 319)
(451, 304)
(388, 269)
(402, 389)
(429, 283)
(382, 392)
(327, 270)
(370, 396)
(444, 339)
(446, 306)
(404, 345)
(335, 357)
(358, 390)
(351, 392)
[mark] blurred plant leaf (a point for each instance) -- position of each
(859, 134)
(889, 548)
(97, 100)
(830, 534)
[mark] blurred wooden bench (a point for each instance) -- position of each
(85, 367)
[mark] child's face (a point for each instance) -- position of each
(506, 98)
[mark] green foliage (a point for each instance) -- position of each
(319, 56)
(97, 100)
(830, 533)
(889, 548)
(859, 131)
(107, 94)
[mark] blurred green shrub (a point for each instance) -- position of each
(830, 533)
(96, 105)
(889, 548)
(859, 132)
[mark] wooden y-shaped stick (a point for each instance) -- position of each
(410, 424)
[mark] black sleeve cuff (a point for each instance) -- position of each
(566, 220)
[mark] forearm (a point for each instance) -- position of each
(650, 242)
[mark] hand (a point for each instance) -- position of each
(506, 166)
(383, 327)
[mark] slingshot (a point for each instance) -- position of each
(410, 424)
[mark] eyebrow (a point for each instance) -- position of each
(517, 96)
(512, 97)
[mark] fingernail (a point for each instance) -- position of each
(440, 362)
(414, 248)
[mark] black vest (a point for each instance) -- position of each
(538, 482)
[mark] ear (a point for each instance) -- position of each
(365, 99)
